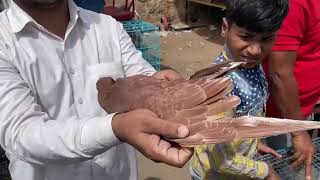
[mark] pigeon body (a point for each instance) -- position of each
(201, 103)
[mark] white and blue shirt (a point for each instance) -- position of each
(250, 85)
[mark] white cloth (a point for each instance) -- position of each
(51, 124)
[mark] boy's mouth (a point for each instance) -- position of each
(251, 60)
(249, 65)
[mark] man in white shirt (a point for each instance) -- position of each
(52, 53)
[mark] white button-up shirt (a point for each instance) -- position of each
(51, 124)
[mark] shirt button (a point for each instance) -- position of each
(80, 101)
(7, 46)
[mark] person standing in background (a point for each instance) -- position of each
(249, 30)
(293, 71)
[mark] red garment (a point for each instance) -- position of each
(301, 32)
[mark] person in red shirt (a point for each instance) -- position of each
(293, 69)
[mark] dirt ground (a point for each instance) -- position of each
(185, 52)
(189, 51)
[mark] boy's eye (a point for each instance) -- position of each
(267, 39)
(245, 37)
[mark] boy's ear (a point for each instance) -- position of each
(225, 27)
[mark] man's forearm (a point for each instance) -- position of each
(285, 95)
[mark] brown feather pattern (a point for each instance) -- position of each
(201, 103)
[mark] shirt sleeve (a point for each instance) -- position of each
(30, 134)
(132, 60)
(229, 161)
(289, 36)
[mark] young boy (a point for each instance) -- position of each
(249, 30)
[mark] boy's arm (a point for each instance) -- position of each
(230, 162)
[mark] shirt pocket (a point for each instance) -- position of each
(107, 69)
(93, 74)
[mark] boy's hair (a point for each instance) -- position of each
(257, 15)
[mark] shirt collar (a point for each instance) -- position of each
(226, 54)
(18, 18)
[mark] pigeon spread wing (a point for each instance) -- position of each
(227, 129)
(201, 103)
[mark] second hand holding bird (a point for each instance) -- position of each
(144, 130)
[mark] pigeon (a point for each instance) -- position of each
(203, 103)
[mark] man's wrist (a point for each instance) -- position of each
(102, 139)
(115, 124)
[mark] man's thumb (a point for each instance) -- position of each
(166, 129)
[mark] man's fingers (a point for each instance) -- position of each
(294, 157)
(171, 76)
(268, 150)
(308, 164)
(298, 162)
(179, 157)
(166, 128)
(174, 155)
(162, 151)
(275, 153)
(163, 147)
(185, 154)
(168, 75)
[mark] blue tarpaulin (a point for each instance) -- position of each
(93, 5)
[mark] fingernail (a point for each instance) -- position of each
(183, 131)
(308, 178)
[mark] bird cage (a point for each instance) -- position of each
(146, 38)
(285, 171)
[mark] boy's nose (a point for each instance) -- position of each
(254, 49)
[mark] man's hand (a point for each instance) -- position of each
(272, 174)
(264, 149)
(168, 75)
(144, 131)
(304, 152)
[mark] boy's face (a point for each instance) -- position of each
(245, 45)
